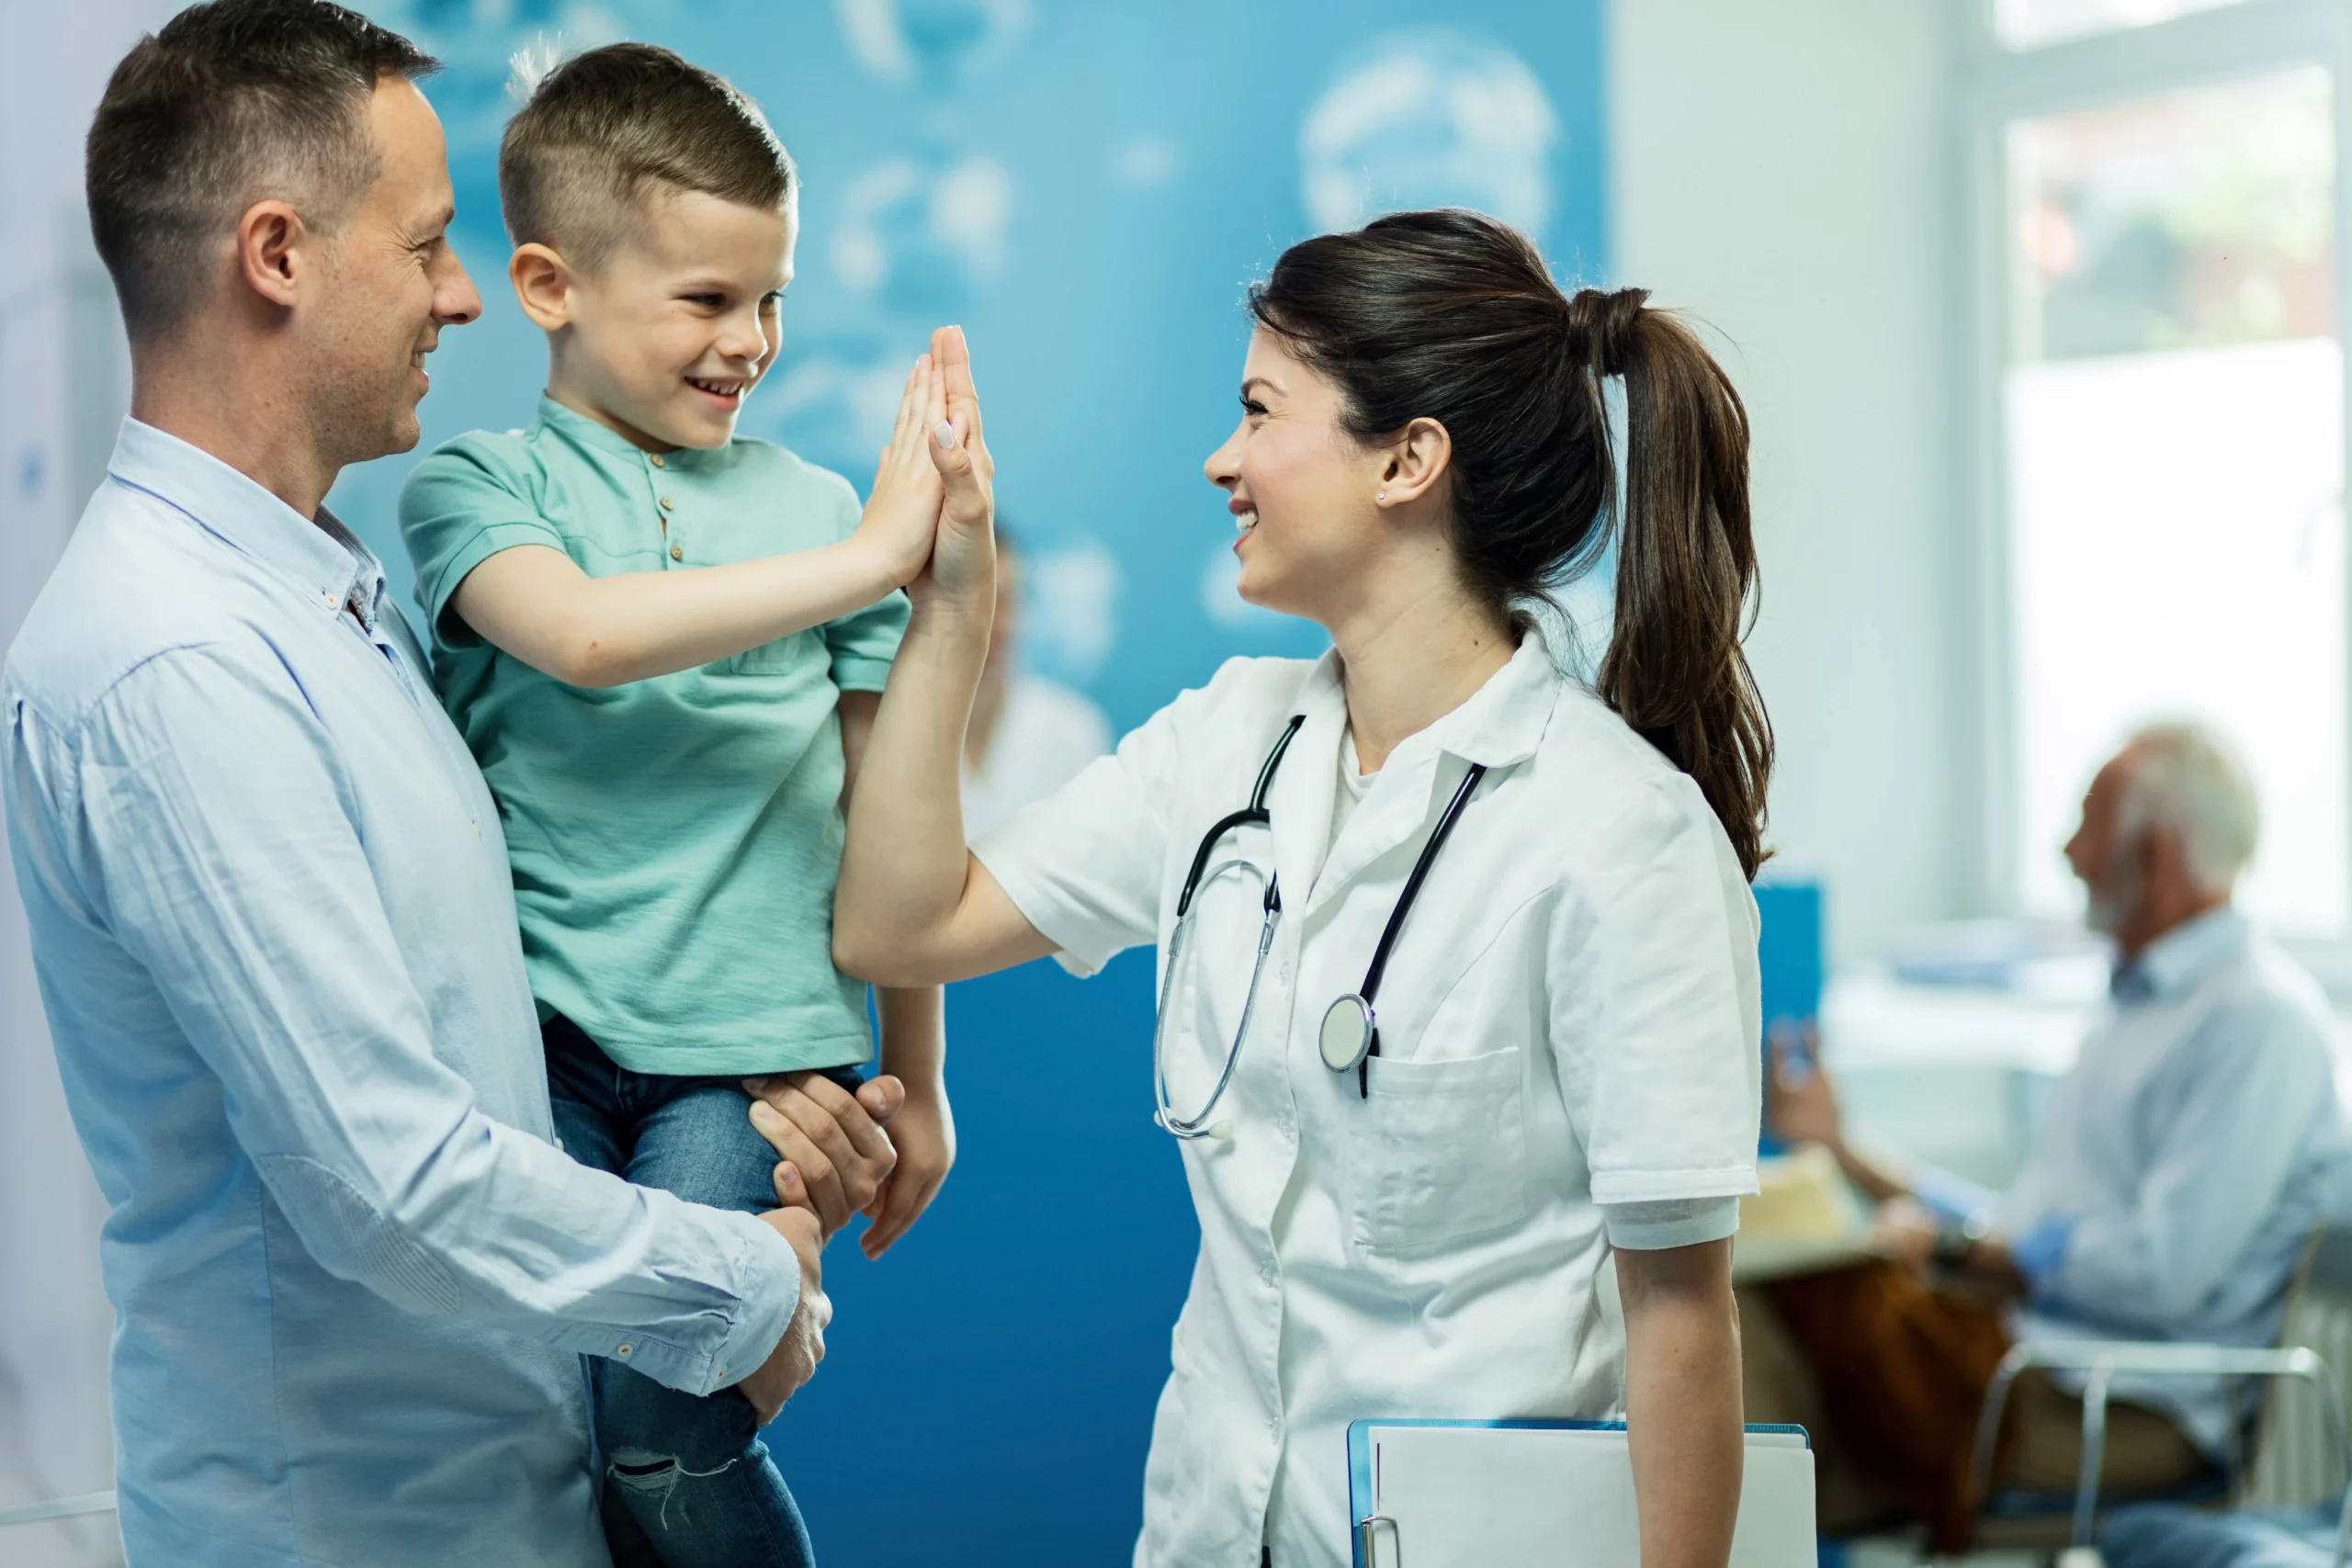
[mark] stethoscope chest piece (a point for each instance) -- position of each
(1346, 1036)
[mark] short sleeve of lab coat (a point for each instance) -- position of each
(1085, 864)
(1655, 1008)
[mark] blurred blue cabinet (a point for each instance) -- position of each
(1788, 961)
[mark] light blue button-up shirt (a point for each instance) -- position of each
(2181, 1163)
(272, 920)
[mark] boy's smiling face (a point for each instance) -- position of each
(664, 339)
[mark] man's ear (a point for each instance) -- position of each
(274, 251)
(1418, 461)
(543, 283)
(2163, 863)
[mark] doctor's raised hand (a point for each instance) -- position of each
(962, 572)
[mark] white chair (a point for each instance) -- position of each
(2319, 1307)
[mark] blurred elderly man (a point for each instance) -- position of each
(2166, 1194)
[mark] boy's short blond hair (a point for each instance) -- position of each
(605, 128)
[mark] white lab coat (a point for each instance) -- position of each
(1570, 1020)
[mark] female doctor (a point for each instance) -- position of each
(1458, 958)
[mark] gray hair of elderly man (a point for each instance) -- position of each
(2187, 778)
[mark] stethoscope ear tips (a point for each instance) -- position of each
(1222, 1131)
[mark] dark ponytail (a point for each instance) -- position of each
(1452, 316)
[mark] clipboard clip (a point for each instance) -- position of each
(1368, 1533)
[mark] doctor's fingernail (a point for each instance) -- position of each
(944, 433)
(762, 1112)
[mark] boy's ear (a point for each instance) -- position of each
(542, 282)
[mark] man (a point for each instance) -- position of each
(269, 899)
(2166, 1194)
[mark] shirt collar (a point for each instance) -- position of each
(2185, 954)
(579, 429)
(322, 557)
(1502, 722)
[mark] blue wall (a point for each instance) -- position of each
(1088, 187)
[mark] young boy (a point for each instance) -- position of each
(665, 646)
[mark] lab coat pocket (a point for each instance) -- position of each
(1447, 1156)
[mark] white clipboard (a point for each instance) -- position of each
(1475, 1493)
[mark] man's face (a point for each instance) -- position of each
(393, 284)
(2097, 857)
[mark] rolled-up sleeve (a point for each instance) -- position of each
(1653, 1016)
(246, 893)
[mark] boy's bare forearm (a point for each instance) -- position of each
(606, 631)
(914, 1034)
(1682, 1401)
(905, 866)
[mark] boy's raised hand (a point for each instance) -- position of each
(902, 512)
(963, 562)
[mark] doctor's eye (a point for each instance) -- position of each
(706, 301)
(1252, 407)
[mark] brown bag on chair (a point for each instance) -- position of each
(1903, 1370)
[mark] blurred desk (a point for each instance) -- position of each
(1953, 1076)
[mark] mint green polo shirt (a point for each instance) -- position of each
(675, 840)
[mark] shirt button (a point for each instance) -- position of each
(1266, 1272)
(677, 552)
(623, 1349)
(655, 459)
(669, 505)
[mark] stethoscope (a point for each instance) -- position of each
(1350, 1035)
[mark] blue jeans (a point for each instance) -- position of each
(687, 1482)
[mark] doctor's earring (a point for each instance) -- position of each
(1381, 496)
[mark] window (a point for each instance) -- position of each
(2167, 405)
(2028, 23)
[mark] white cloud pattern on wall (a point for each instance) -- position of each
(899, 41)
(923, 234)
(1072, 607)
(1428, 117)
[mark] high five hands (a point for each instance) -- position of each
(933, 503)
(962, 571)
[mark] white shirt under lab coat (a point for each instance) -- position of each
(1568, 1022)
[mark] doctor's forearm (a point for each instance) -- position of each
(904, 865)
(1682, 1401)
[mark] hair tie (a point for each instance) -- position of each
(1601, 325)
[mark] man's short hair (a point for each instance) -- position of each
(229, 104)
(604, 129)
(2187, 777)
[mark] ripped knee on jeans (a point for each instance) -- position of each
(652, 1475)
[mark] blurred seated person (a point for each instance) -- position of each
(1029, 735)
(2165, 1195)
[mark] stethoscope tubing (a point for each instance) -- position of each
(1200, 1125)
